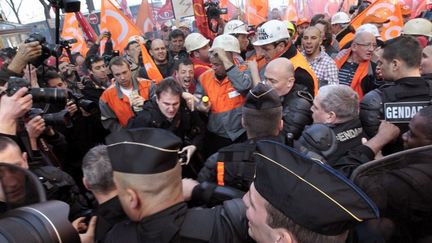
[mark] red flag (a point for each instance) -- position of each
(86, 27)
(144, 19)
(71, 30)
(201, 19)
(166, 12)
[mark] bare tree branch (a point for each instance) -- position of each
(14, 10)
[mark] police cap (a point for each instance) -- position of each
(143, 150)
(262, 97)
(310, 193)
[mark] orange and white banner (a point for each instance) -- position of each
(144, 19)
(256, 11)
(71, 30)
(386, 9)
(393, 28)
(120, 26)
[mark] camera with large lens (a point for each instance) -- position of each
(40, 95)
(88, 106)
(29, 217)
(47, 49)
(213, 12)
(61, 118)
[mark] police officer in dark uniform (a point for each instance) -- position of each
(400, 101)
(337, 127)
(148, 178)
(295, 199)
(233, 165)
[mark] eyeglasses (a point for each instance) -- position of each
(368, 45)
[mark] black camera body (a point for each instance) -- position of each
(87, 105)
(43, 95)
(47, 49)
(61, 118)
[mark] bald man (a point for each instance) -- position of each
(159, 53)
(296, 100)
(321, 63)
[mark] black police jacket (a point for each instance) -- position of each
(296, 110)
(186, 124)
(348, 136)
(224, 223)
(377, 105)
(108, 214)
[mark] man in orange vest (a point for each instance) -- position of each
(126, 96)
(225, 86)
(198, 48)
(355, 66)
(274, 40)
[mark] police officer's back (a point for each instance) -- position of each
(233, 165)
(148, 177)
(400, 101)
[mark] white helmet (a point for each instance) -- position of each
(195, 41)
(136, 38)
(418, 26)
(371, 28)
(235, 27)
(271, 31)
(227, 43)
(340, 18)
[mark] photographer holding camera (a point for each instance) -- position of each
(85, 129)
(94, 49)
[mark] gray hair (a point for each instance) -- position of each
(97, 170)
(340, 99)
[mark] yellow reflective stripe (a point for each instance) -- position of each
(313, 186)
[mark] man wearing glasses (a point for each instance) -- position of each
(355, 66)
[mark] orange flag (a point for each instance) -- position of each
(256, 11)
(291, 11)
(385, 8)
(120, 26)
(151, 68)
(144, 19)
(122, 29)
(71, 30)
(393, 28)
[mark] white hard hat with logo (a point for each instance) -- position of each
(235, 27)
(271, 31)
(340, 18)
(418, 26)
(195, 41)
(370, 28)
(227, 43)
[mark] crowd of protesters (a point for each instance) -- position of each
(256, 135)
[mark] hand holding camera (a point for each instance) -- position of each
(26, 53)
(35, 127)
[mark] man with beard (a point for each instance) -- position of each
(274, 41)
(159, 53)
(70, 75)
(320, 62)
(198, 48)
(355, 66)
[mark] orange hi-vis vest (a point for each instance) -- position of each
(222, 95)
(361, 72)
(119, 103)
(299, 61)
